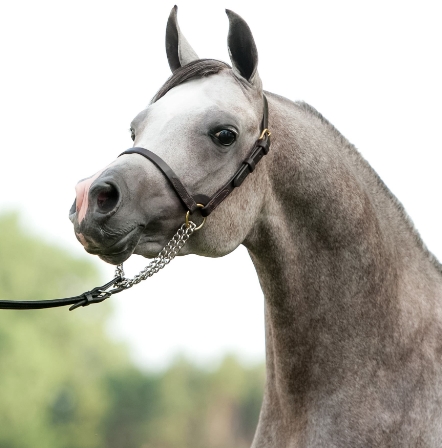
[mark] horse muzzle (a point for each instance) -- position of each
(99, 215)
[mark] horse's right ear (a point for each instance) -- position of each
(178, 50)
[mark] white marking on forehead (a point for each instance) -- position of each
(177, 127)
(200, 94)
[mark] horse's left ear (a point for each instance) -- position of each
(179, 52)
(242, 49)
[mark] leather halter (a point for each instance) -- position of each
(209, 204)
(205, 204)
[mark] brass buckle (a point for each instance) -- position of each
(264, 132)
(188, 222)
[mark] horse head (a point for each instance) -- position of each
(203, 122)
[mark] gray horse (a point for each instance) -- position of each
(353, 299)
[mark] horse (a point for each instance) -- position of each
(353, 298)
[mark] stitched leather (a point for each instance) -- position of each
(96, 295)
(260, 149)
(180, 189)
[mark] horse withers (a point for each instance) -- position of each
(353, 299)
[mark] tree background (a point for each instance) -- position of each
(64, 383)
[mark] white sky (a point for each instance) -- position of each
(74, 74)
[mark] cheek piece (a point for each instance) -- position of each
(206, 204)
(200, 202)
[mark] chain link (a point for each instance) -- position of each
(167, 254)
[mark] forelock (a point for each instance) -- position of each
(195, 69)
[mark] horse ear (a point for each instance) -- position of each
(178, 50)
(242, 48)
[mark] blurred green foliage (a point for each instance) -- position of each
(65, 384)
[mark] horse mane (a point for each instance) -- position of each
(399, 207)
(195, 69)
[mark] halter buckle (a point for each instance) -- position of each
(265, 132)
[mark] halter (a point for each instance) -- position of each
(192, 203)
(206, 204)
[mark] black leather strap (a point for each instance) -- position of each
(247, 167)
(183, 194)
(260, 149)
(96, 295)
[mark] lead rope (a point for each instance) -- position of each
(119, 282)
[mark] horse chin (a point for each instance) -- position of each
(120, 251)
(116, 258)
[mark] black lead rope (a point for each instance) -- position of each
(203, 203)
(96, 295)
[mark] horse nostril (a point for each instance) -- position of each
(107, 197)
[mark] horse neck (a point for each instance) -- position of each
(332, 251)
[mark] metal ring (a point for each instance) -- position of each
(187, 218)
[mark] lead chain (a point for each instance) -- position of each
(167, 254)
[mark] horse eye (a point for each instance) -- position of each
(132, 134)
(226, 137)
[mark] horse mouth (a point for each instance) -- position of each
(120, 250)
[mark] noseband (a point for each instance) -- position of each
(204, 203)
